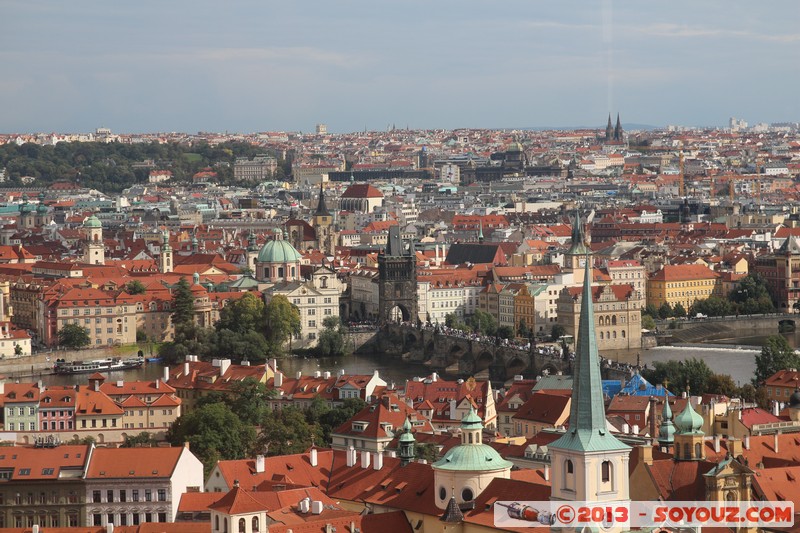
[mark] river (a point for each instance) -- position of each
(738, 361)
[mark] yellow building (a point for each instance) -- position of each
(524, 311)
(682, 284)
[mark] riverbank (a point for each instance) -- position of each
(40, 364)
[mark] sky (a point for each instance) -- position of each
(263, 65)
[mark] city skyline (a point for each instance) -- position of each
(281, 66)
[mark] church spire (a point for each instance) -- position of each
(609, 129)
(667, 429)
(587, 419)
(322, 209)
(618, 130)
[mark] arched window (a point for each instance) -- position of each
(323, 282)
(601, 335)
(687, 451)
(216, 523)
(293, 274)
(569, 468)
(614, 320)
(280, 272)
(470, 438)
(242, 525)
(224, 525)
(698, 450)
(255, 524)
(623, 333)
(605, 471)
(614, 333)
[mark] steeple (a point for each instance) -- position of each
(667, 429)
(578, 246)
(322, 209)
(609, 129)
(617, 129)
(587, 417)
(406, 444)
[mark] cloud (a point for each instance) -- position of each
(686, 31)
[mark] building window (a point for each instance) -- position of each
(96, 497)
(162, 495)
(605, 471)
(467, 494)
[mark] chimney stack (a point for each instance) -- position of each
(747, 442)
(350, 461)
(120, 383)
(635, 429)
(299, 374)
(317, 374)
(378, 463)
(716, 443)
(260, 464)
(186, 368)
(165, 377)
(777, 435)
(278, 379)
(312, 456)
(316, 507)
(365, 459)
(547, 472)
(274, 364)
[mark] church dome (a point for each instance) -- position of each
(92, 222)
(474, 456)
(278, 251)
(41, 209)
(514, 147)
(689, 421)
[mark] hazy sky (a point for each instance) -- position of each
(197, 65)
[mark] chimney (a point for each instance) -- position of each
(392, 454)
(635, 429)
(434, 377)
(224, 364)
(35, 528)
(312, 456)
(547, 472)
(120, 383)
(626, 428)
(326, 375)
(684, 395)
(350, 461)
(186, 368)
(278, 379)
(747, 442)
(776, 408)
(110, 527)
(365, 457)
(165, 377)
(259, 464)
(245, 363)
(647, 454)
(452, 409)
(317, 374)
(777, 436)
(274, 364)
(316, 507)
(716, 443)
(305, 505)
(378, 462)
(341, 372)
(735, 447)
(96, 383)
(158, 384)
(299, 374)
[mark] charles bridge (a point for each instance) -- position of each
(483, 357)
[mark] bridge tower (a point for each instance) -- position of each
(397, 280)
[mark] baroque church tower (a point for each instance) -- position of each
(323, 226)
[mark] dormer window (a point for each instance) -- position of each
(359, 426)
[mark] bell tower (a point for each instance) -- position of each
(578, 253)
(94, 250)
(323, 225)
(397, 281)
(165, 259)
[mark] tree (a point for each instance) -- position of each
(776, 355)
(286, 431)
(242, 315)
(678, 311)
(523, 330)
(18, 350)
(557, 332)
(73, 336)
(505, 332)
(650, 309)
(249, 345)
(135, 287)
(426, 451)
(282, 322)
(483, 323)
(692, 372)
(213, 432)
(329, 419)
(665, 311)
(182, 305)
(332, 339)
(712, 306)
(249, 400)
(722, 384)
(648, 322)
(142, 439)
(751, 296)
(141, 336)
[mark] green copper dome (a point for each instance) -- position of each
(92, 222)
(689, 421)
(278, 251)
(474, 456)
(667, 429)
(407, 436)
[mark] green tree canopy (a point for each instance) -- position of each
(776, 355)
(213, 432)
(751, 295)
(648, 322)
(557, 332)
(182, 305)
(286, 431)
(243, 315)
(332, 340)
(678, 311)
(282, 322)
(483, 323)
(135, 287)
(650, 309)
(73, 336)
(665, 311)
(249, 399)
(712, 306)
(692, 372)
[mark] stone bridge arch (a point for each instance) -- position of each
(484, 360)
(515, 365)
